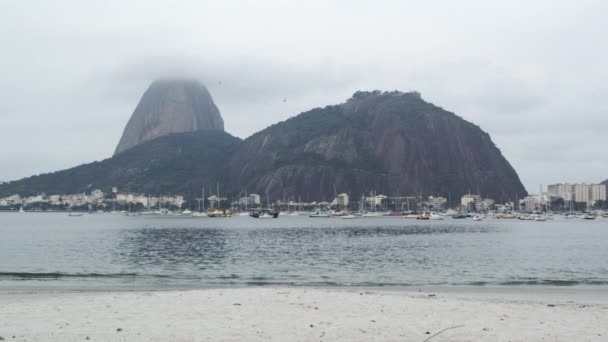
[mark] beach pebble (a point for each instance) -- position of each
(311, 325)
(119, 329)
(1, 338)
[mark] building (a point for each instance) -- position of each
(341, 200)
(579, 192)
(375, 201)
(471, 202)
(437, 203)
(251, 200)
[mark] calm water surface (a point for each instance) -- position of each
(107, 251)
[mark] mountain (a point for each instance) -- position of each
(179, 163)
(605, 182)
(170, 106)
(393, 143)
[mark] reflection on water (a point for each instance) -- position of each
(108, 250)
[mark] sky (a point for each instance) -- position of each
(532, 73)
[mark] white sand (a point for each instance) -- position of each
(301, 314)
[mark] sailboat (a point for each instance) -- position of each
(21, 211)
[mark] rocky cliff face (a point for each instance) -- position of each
(170, 106)
(393, 143)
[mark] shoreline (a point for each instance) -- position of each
(306, 314)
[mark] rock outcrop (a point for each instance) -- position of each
(170, 106)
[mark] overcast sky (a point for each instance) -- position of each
(533, 74)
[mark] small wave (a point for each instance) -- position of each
(60, 275)
(553, 282)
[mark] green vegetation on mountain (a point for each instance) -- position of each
(173, 164)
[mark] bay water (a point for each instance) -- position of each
(108, 251)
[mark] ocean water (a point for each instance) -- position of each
(53, 250)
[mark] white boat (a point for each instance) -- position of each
(477, 218)
(21, 210)
(199, 214)
(435, 217)
(410, 216)
(319, 214)
(588, 216)
(187, 212)
(540, 218)
(265, 215)
(348, 217)
(372, 214)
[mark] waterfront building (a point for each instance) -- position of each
(437, 203)
(341, 200)
(579, 192)
(471, 202)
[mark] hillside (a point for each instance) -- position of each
(178, 163)
(391, 142)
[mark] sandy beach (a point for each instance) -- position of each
(303, 314)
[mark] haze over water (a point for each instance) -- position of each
(112, 251)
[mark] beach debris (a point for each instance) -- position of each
(432, 295)
(312, 326)
(1, 338)
(442, 331)
(551, 305)
(237, 304)
(119, 329)
(322, 334)
(363, 331)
